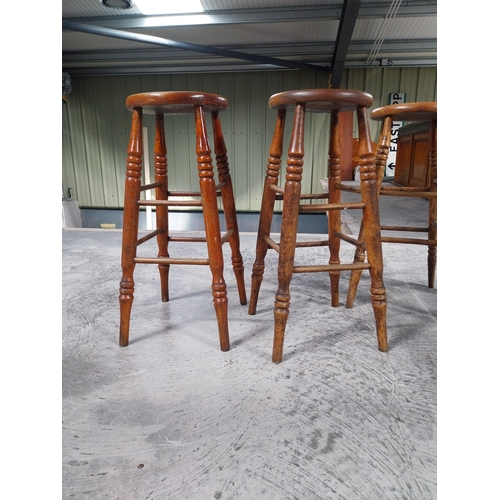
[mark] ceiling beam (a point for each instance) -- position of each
(348, 19)
(157, 60)
(245, 16)
(212, 67)
(358, 51)
(154, 40)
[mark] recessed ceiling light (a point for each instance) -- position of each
(152, 7)
(117, 4)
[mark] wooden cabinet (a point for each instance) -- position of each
(412, 159)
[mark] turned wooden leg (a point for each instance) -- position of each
(432, 256)
(161, 175)
(130, 224)
(212, 226)
(360, 253)
(334, 196)
(369, 196)
(355, 277)
(291, 202)
(267, 209)
(229, 206)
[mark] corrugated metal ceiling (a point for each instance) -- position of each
(304, 32)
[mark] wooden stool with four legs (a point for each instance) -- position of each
(197, 104)
(406, 112)
(331, 101)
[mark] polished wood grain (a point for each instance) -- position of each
(332, 102)
(195, 104)
(413, 144)
(267, 207)
(130, 223)
(406, 112)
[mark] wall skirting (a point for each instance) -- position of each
(193, 221)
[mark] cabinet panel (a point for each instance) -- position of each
(412, 159)
(420, 164)
(403, 160)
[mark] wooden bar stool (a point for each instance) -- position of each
(405, 112)
(160, 104)
(331, 101)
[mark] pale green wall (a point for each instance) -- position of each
(96, 126)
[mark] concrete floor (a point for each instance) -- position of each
(172, 417)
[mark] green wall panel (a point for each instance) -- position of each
(96, 126)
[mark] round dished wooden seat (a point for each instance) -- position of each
(321, 100)
(181, 102)
(408, 111)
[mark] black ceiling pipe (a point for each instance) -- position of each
(154, 40)
(350, 11)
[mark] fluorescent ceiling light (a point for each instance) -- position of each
(152, 7)
(118, 4)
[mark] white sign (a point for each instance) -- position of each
(396, 98)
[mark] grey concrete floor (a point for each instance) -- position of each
(172, 417)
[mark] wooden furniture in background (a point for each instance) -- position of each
(331, 101)
(347, 141)
(196, 104)
(412, 159)
(426, 113)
